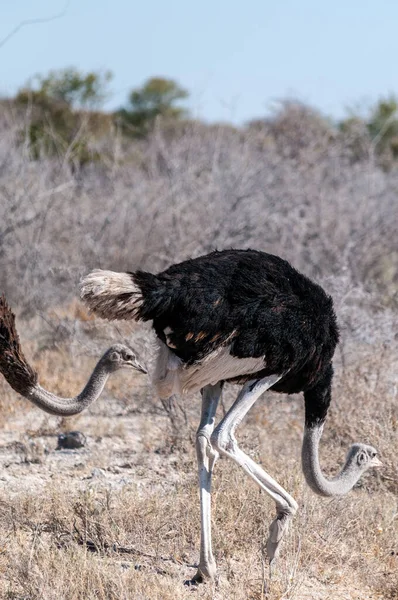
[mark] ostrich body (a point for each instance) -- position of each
(24, 379)
(247, 317)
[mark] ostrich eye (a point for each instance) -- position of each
(127, 356)
(373, 454)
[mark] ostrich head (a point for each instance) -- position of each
(120, 356)
(361, 457)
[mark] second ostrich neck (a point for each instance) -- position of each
(71, 406)
(337, 486)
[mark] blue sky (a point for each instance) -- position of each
(235, 57)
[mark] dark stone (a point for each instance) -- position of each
(71, 440)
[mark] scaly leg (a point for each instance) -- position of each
(207, 457)
(224, 441)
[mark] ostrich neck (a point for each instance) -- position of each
(71, 406)
(337, 486)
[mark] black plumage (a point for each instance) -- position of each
(256, 303)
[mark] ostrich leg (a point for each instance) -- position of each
(207, 457)
(224, 441)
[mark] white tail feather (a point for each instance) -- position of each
(111, 295)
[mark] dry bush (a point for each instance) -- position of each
(175, 196)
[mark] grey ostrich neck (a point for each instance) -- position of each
(71, 406)
(337, 486)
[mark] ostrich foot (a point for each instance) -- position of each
(196, 579)
(205, 573)
(192, 583)
(277, 529)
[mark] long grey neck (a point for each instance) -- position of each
(71, 406)
(339, 485)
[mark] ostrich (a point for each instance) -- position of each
(24, 379)
(247, 317)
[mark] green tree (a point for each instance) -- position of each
(157, 97)
(62, 117)
(383, 126)
(375, 132)
(69, 86)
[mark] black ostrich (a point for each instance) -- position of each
(247, 317)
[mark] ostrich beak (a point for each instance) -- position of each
(376, 463)
(139, 367)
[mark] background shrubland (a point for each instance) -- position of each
(83, 190)
(142, 188)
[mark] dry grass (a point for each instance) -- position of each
(120, 518)
(132, 543)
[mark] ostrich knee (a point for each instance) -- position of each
(205, 449)
(223, 442)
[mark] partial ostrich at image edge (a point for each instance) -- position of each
(24, 379)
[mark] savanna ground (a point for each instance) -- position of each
(119, 518)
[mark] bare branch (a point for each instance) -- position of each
(34, 22)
